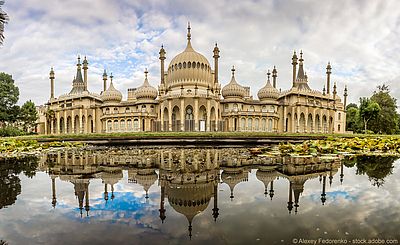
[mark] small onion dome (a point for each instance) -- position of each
(233, 89)
(111, 94)
(146, 91)
(268, 91)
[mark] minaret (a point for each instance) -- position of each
(162, 58)
(85, 68)
(105, 193)
(53, 188)
(328, 77)
(104, 80)
(162, 202)
(345, 97)
(323, 91)
(274, 75)
(341, 173)
(334, 93)
(294, 63)
(215, 209)
(271, 190)
(87, 207)
(290, 202)
(52, 77)
(323, 195)
(216, 56)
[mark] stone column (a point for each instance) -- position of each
(72, 121)
(95, 120)
(208, 115)
(86, 121)
(196, 114)
(65, 122)
(80, 120)
(45, 126)
(169, 115)
(58, 122)
(182, 115)
(162, 116)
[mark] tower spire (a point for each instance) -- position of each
(189, 36)
(52, 77)
(274, 75)
(294, 63)
(328, 77)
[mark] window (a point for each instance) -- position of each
(116, 125)
(250, 123)
(122, 124)
(339, 116)
(129, 125)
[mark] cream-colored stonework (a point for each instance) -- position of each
(189, 98)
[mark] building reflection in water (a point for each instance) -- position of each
(188, 178)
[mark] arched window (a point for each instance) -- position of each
(189, 113)
(122, 124)
(256, 124)
(129, 125)
(339, 116)
(250, 124)
(180, 65)
(242, 124)
(184, 64)
(116, 124)
(136, 125)
(189, 64)
(109, 126)
(270, 125)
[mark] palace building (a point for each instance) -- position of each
(188, 98)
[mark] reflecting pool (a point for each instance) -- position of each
(196, 196)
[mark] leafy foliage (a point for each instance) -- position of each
(378, 145)
(369, 110)
(387, 120)
(9, 94)
(28, 114)
(3, 20)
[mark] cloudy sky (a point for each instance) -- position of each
(359, 38)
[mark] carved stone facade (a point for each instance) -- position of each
(188, 98)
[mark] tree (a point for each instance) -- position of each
(9, 94)
(351, 105)
(3, 21)
(352, 119)
(368, 111)
(28, 114)
(387, 119)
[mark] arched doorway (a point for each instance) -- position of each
(176, 122)
(166, 118)
(62, 129)
(213, 117)
(289, 123)
(302, 123)
(324, 124)
(317, 124)
(202, 118)
(310, 126)
(77, 125)
(69, 125)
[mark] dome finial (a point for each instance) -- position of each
(111, 77)
(233, 71)
(268, 74)
(188, 33)
(146, 72)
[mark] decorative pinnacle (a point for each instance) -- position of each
(111, 76)
(85, 62)
(268, 74)
(188, 34)
(79, 59)
(301, 56)
(274, 72)
(328, 68)
(233, 70)
(345, 90)
(105, 74)
(146, 72)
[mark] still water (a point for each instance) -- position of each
(196, 196)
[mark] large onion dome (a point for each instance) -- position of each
(111, 95)
(189, 67)
(268, 91)
(233, 89)
(146, 91)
